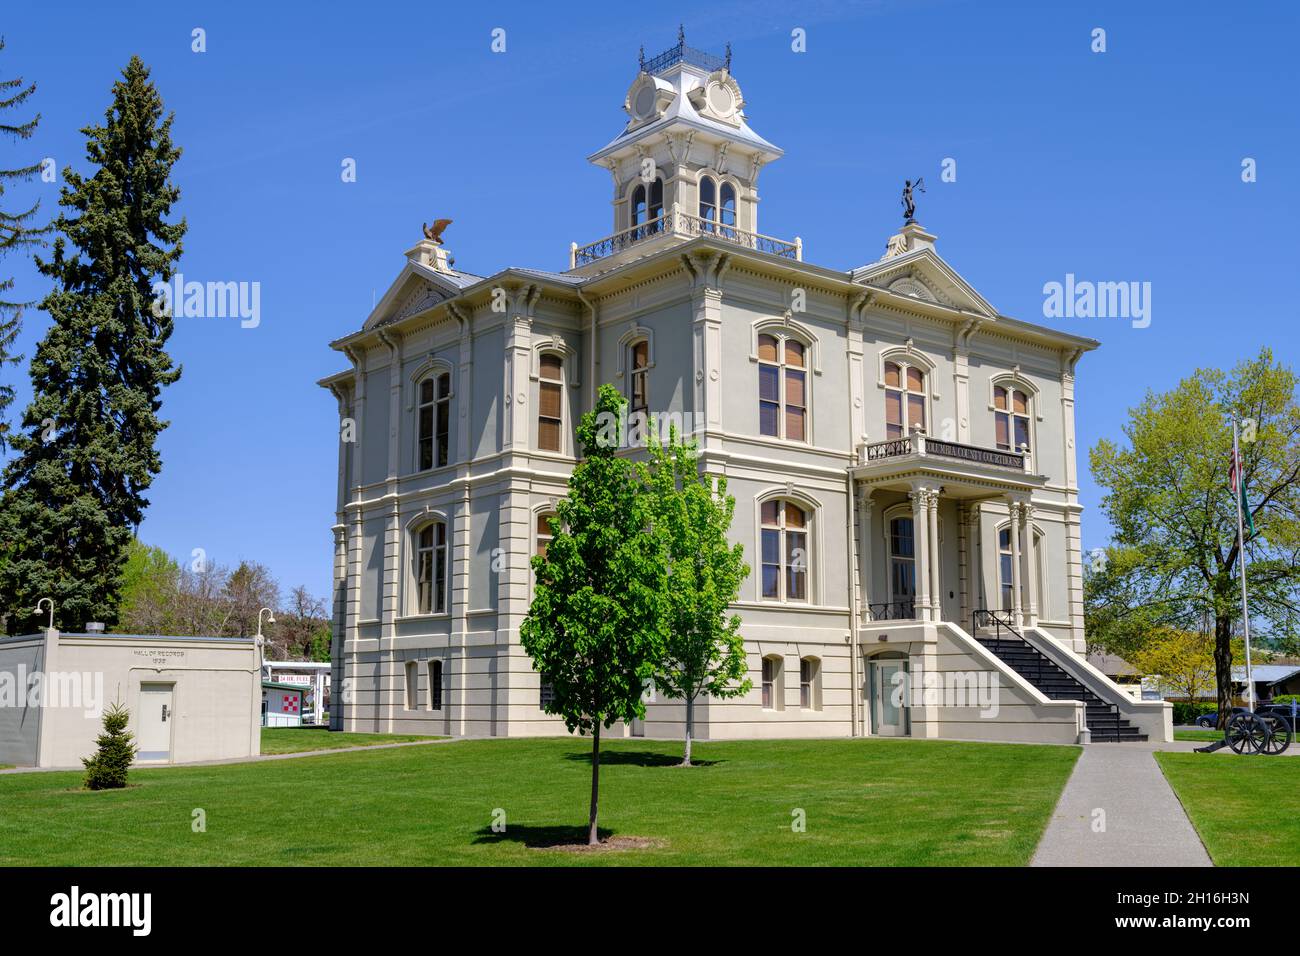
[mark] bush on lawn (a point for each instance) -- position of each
(1286, 699)
(106, 770)
(1185, 713)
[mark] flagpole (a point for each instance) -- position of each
(1241, 544)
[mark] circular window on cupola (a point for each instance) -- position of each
(644, 104)
(721, 100)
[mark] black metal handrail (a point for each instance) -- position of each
(986, 618)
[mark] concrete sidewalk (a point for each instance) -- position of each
(1117, 809)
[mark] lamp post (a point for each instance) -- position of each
(270, 619)
(36, 611)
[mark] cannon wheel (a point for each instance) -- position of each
(1246, 733)
(1279, 734)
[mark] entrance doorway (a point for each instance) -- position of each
(886, 696)
(155, 723)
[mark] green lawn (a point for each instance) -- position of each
(1246, 809)
(296, 740)
(867, 802)
(1204, 736)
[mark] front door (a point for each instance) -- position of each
(155, 723)
(888, 717)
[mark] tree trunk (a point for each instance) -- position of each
(690, 729)
(1223, 666)
(592, 837)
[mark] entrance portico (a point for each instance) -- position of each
(909, 566)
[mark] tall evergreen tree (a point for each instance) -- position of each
(18, 230)
(86, 448)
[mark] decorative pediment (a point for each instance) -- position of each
(410, 294)
(923, 275)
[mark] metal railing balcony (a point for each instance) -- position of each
(919, 445)
(677, 223)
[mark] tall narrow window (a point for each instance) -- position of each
(810, 697)
(1004, 568)
(434, 422)
(412, 685)
(727, 210)
(1011, 415)
(904, 400)
(640, 372)
(773, 684)
(708, 202)
(431, 569)
(435, 685)
(784, 551)
(550, 395)
(902, 567)
(544, 535)
(782, 388)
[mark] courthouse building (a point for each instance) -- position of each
(902, 455)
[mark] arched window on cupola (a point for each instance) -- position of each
(647, 207)
(717, 204)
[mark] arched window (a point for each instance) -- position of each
(782, 387)
(412, 685)
(902, 567)
(904, 399)
(639, 373)
(773, 683)
(434, 421)
(810, 683)
(708, 202)
(544, 535)
(550, 402)
(1004, 569)
(784, 551)
(431, 568)
(1011, 418)
(727, 208)
(435, 685)
(647, 207)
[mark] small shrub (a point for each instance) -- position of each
(106, 770)
(1287, 699)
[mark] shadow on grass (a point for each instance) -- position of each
(639, 758)
(539, 838)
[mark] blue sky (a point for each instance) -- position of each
(1115, 166)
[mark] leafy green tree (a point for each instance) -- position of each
(704, 652)
(86, 451)
(18, 230)
(150, 581)
(107, 768)
(1174, 515)
(595, 627)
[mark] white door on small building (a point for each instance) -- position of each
(155, 741)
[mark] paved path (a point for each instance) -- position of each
(1144, 824)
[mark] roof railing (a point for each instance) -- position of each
(677, 223)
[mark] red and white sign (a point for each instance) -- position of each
(290, 704)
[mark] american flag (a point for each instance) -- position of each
(1238, 487)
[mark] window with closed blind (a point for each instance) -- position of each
(550, 403)
(782, 387)
(904, 399)
(1011, 418)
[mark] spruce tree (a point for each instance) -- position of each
(86, 447)
(107, 769)
(18, 230)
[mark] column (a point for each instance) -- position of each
(864, 553)
(1030, 576)
(963, 564)
(921, 550)
(1013, 509)
(936, 585)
